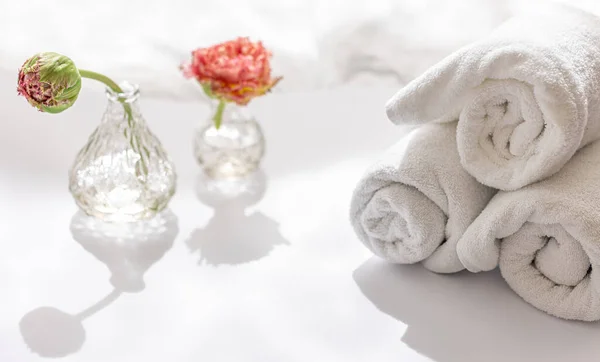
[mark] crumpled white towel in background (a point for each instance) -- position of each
(528, 96)
(546, 239)
(316, 43)
(416, 201)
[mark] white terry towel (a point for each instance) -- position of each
(546, 239)
(527, 97)
(416, 201)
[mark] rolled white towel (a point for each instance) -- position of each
(546, 239)
(527, 97)
(415, 202)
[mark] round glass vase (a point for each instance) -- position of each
(235, 149)
(122, 173)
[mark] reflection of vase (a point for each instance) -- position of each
(123, 172)
(127, 249)
(233, 150)
(254, 234)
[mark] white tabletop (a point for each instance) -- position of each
(277, 276)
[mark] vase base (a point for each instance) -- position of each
(118, 206)
(120, 217)
(230, 169)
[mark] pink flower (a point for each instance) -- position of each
(235, 71)
(49, 81)
(30, 87)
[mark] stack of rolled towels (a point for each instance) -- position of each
(504, 168)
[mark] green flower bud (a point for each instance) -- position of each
(49, 81)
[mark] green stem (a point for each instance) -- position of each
(218, 118)
(110, 84)
(101, 78)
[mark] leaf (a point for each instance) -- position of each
(207, 90)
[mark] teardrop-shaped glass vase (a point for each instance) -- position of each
(122, 173)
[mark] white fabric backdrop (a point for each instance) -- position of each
(317, 43)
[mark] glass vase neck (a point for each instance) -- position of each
(130, 93)
(232, 112)
(123, 106)
(214, 103)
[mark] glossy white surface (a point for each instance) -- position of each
(275, 276)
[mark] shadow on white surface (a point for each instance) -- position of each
(128, 250)
(52, 333)
(472, 317)
(234, 235)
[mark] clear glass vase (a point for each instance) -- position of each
(235, 149)
(122, 173)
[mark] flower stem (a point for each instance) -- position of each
(101, 78)
(218, 118)
(110, 84)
